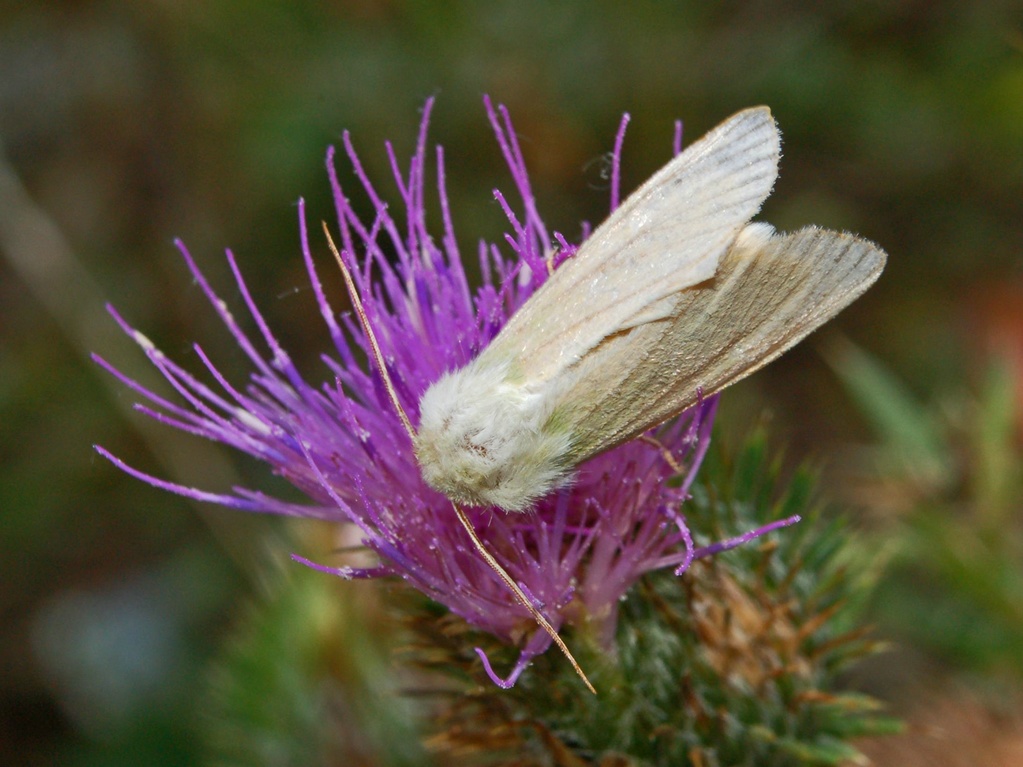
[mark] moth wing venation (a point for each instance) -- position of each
(767, 295)
(669, 234)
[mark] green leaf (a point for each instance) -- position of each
(905, 426)
(997, 473)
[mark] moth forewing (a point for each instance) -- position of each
(769, 293)
(669, 234)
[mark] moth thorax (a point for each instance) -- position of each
(483, 442)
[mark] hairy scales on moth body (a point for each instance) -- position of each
(674, 297)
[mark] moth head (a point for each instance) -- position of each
(486, 441)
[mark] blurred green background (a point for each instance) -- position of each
(125, 125)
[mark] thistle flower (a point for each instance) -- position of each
(343, 445)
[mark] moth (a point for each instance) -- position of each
(674, 297)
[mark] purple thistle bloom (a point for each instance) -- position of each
(343, 445)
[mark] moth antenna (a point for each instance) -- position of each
(669, 459)
(521, 596)
(378, 358)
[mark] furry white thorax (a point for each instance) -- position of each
(485, 440)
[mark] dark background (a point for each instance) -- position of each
(129, 124)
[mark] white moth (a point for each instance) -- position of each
(674, 297)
